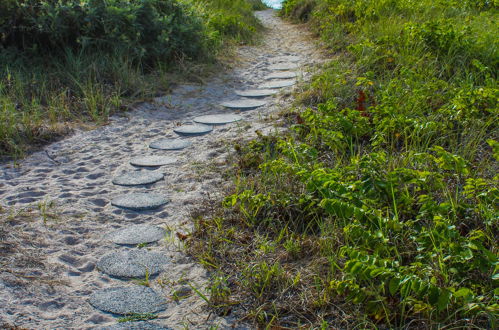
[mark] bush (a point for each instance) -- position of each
(148, 30)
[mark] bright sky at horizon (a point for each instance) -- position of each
(274, 3)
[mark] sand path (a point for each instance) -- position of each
(56, 209)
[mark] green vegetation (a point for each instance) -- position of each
(73, 61)
(379, 208)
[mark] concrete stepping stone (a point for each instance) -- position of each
(153, 161)
(132, 263)
(140, 325)
(281, 75)
(193, 129)
(284, 66)
(127, 300)
(279, 84)
(220, 119)
(136, 178)
(136, 234)
(287, 58)
(170, 144)
(257, 92)
(243, 104)
(140, 201)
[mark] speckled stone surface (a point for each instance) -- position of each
(136, 178)
(137, 299)
(136, 234)
(193, 129)
(287, 58)
(284, 66)
(140, 325)
(281, 75)
(219, 119)
(170, 144)
(243, 104)
(153, 161)
(140, 201)
(279, 83)
(132, 263)
(257, 92)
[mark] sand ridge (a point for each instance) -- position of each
(57, 202)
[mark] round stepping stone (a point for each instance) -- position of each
(170, 144)
(132, 263)
(288, 58)
(140, 201)
(243, 104)
(140, 325)
(153, 161)
(136, 234)
(281, 75)
(193, 130)
(138, 178)
(279, 84)
(136, 299)
(220, 119)
(284, 66)
(256, 92)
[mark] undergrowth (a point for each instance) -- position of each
(70, 61)
(379, 207)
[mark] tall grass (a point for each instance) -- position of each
(379, 208)
(67, 62)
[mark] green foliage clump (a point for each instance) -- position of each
(380, 206)
(232, 18)
(147, 30)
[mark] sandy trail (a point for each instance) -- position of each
(56, 203)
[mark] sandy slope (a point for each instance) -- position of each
(47, 268)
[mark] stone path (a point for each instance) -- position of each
(106, 246)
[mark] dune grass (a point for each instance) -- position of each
(379, 207)
(68, 63)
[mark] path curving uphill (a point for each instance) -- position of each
(63, 228)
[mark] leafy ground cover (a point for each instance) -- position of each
(379, 207)
(72, 61)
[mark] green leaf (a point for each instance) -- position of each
(356, 268)
(433, 295)
(393, 285)
(443, 299)
(463, 292)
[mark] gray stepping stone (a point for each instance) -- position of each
(279, 83)
(140, 325)
(170, 144)
(193, 129)
(287, 58)
(136, 178)
(153, 161)
(123, 300)
(243, 104)
(136, 234)
(140, 201)
(284, 66)
(281, 75)
(219, 119)
(132, 263)
(257, 92)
